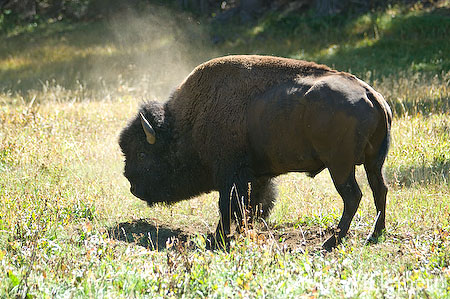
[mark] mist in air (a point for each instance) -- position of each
(152, 52)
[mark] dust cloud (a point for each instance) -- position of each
(153, 51)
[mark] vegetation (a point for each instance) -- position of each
(69, 226)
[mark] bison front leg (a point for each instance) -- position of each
(223, 228)
(351, 194)
(233, 202)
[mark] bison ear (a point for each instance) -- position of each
(148, 130)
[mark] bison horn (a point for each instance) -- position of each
(149, 132)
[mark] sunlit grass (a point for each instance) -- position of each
(69, 226)
(421, 151)
(62, 192)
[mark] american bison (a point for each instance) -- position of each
(241, 120)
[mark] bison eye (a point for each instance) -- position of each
(141, 156)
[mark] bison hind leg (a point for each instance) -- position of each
(379, 191)
(262, 197)
(349, 190)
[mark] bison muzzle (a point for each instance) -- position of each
(239, 121)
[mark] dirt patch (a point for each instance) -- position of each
(144, 232)
(299, 238)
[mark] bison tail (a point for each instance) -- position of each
(379, 102)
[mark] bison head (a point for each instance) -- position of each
(149, 162)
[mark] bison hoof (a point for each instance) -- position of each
(376, 237)
(330, 244)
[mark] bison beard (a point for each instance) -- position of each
(241, 120)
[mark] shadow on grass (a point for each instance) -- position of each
(146, 234)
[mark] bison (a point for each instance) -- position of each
(240, 121)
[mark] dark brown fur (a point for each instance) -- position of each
(246, 119)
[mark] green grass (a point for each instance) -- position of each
(62, 195)
(70, 228)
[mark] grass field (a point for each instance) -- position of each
(70, 228)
